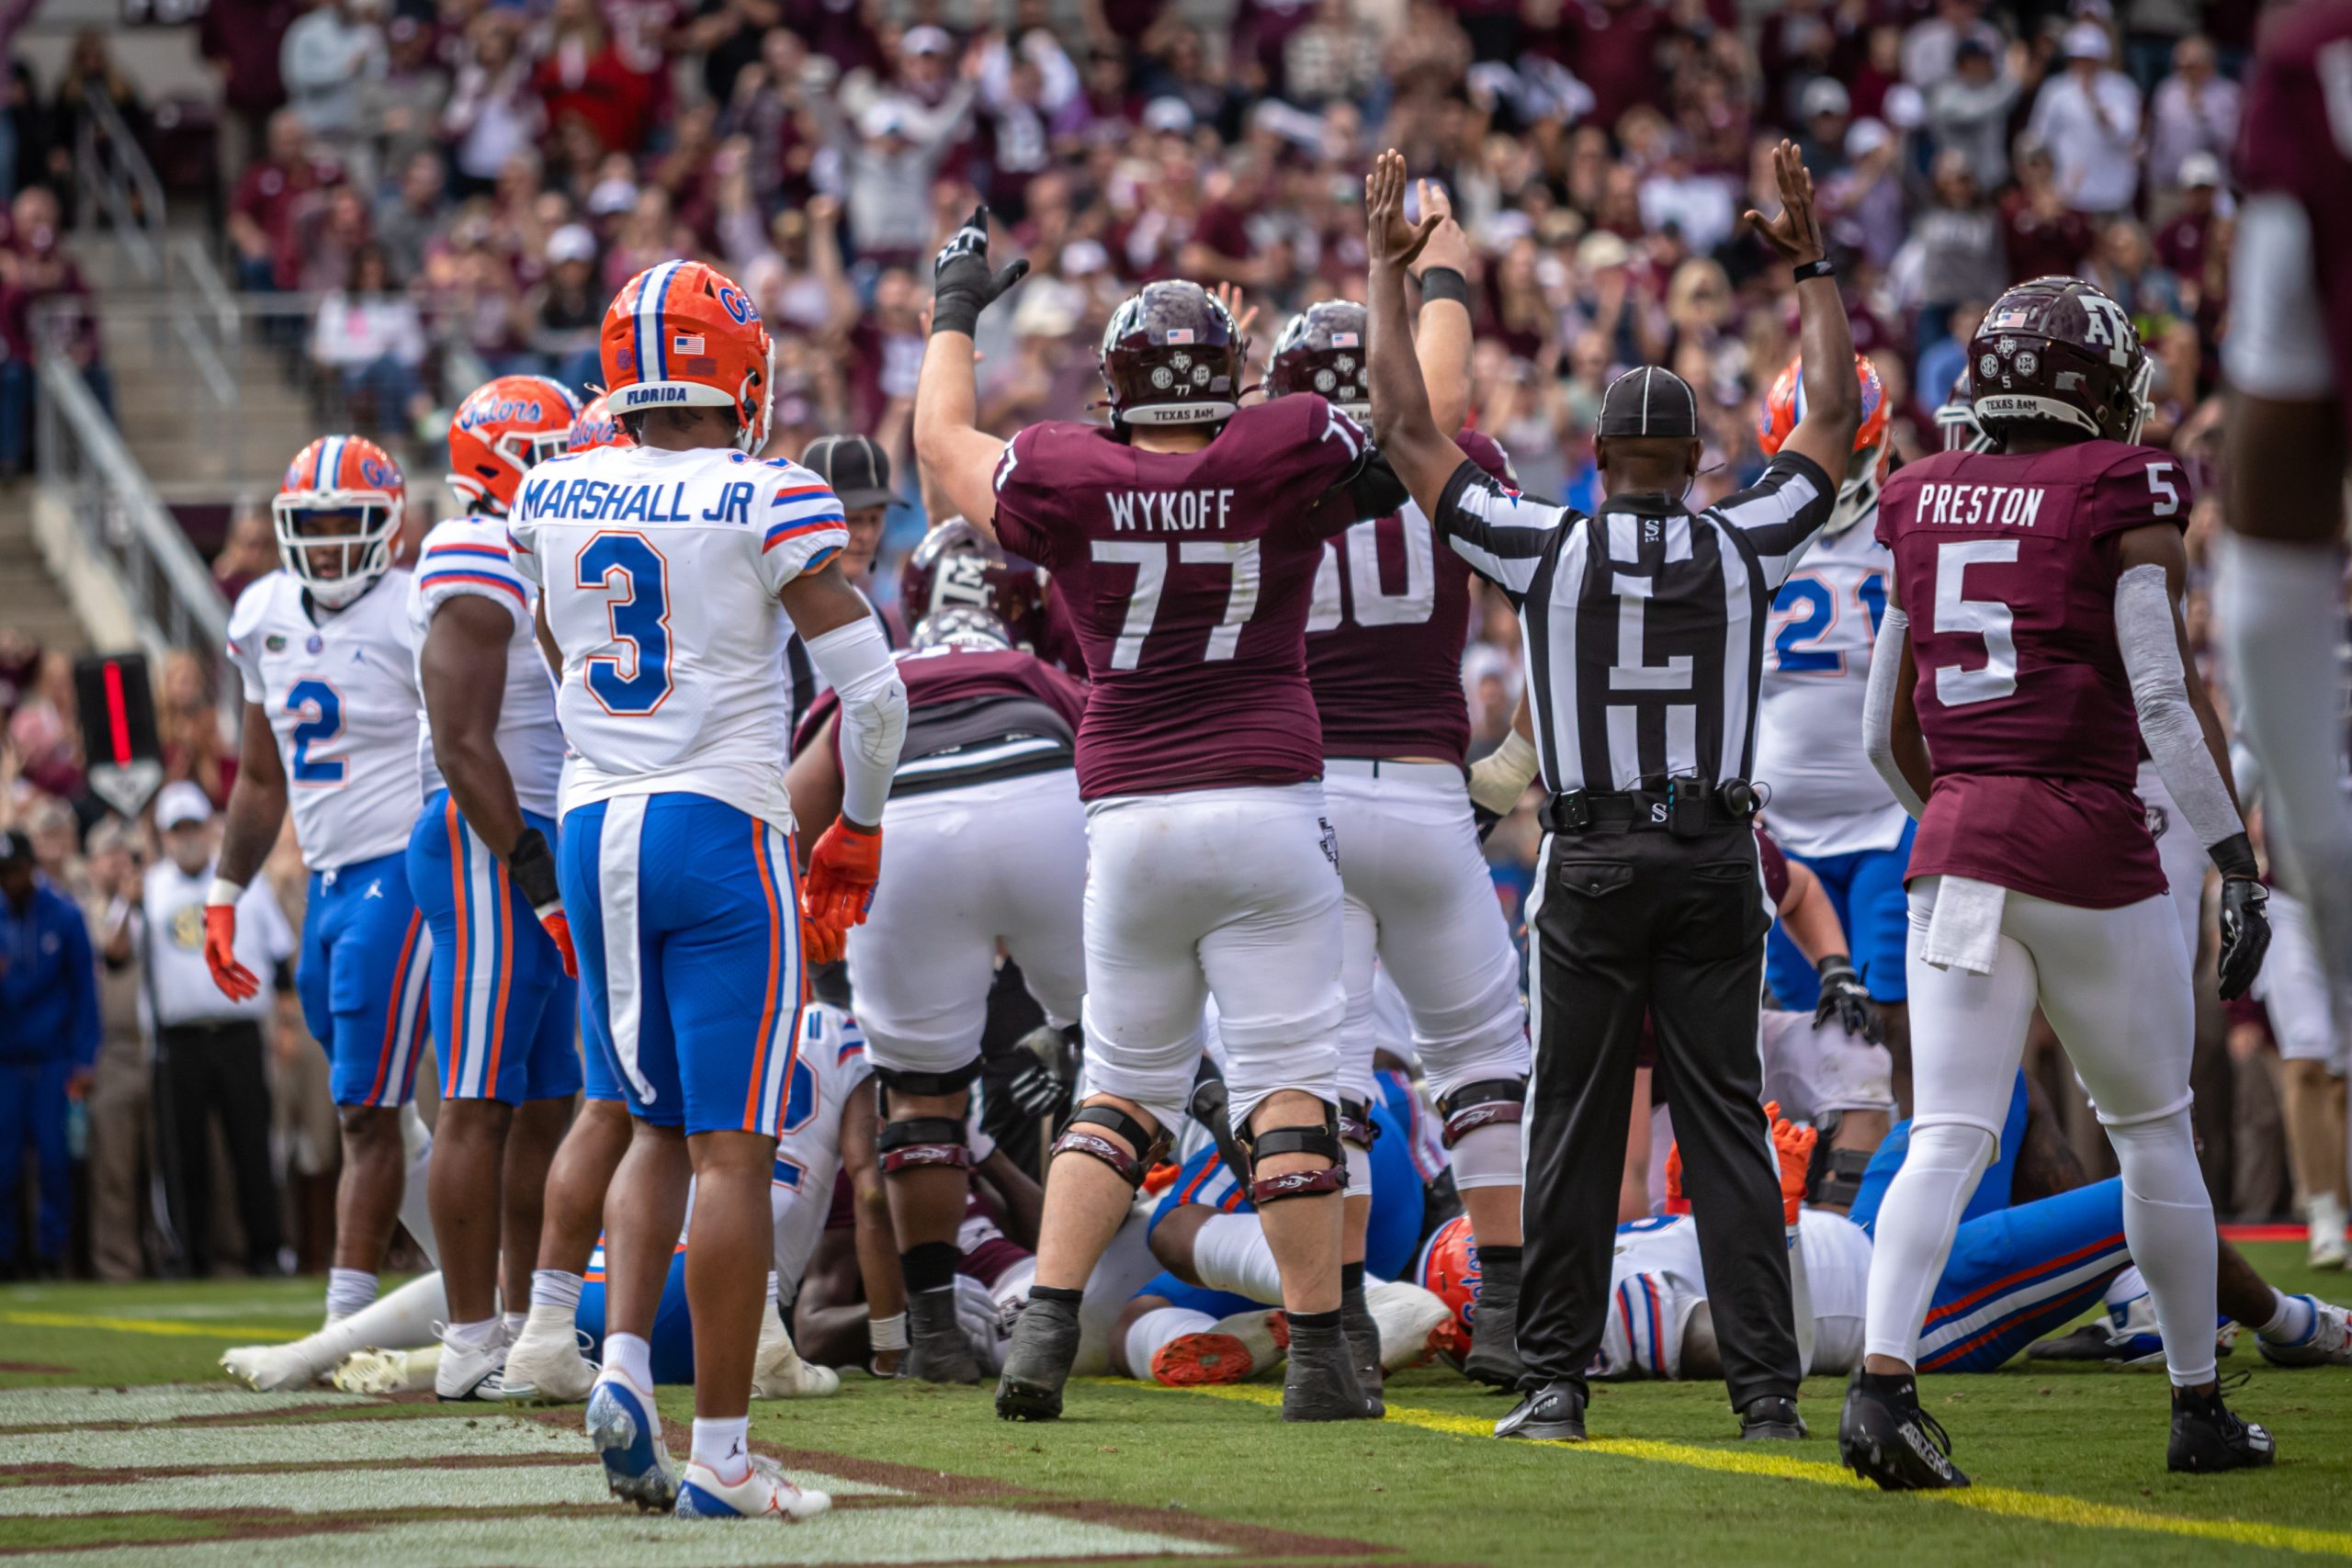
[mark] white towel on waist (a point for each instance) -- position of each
(1964, 932)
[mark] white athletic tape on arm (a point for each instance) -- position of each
(2150, 646)
(1878, 706)
(224, 891)
(856, 658)
(1502, 775)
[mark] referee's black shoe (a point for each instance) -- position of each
(1552, 1412)
(2207, 1436)
(1883, 1435)
(1772, 1417)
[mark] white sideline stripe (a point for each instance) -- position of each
(307, 1442)
(947, 1534)
(353, 1491)
(85, 1406)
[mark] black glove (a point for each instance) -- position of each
(961, 285)
(1038, 1091)
(1483, 819)
(2245, 933)
(1842, 992)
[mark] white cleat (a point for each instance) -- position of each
(2329, 1343)
(469, 1371)
(2326, 1229)
(778, 1370)
(1232, 1349)
(388, 1371)
(764, 1493)
(273, 1368)
(1411, 1320)
(545, 1365)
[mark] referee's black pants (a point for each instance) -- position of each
(1629, 922)
(202, 1069)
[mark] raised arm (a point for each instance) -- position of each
(949, 440)
(1422, 453)
(1444, 342)
(1832, 396)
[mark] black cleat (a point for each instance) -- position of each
(2206, 1436)
(1494, 1334)
(1319, 1378)
(1362, 1335)
(1554, 1412)
(1883, 1435)
(1037, 1361)
(937, 1350)
(1772, 1417)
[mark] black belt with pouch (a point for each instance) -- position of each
(1687, 808)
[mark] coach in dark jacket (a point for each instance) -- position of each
(48, 1039)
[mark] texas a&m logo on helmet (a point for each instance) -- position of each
(681, 334)
(2057, 351)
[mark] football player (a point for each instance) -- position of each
(987, 847)
(658, 568)
(2047, 574)
(1183, 539)
(481, 862)
(1384, 657)
(2280, 599)
(328, 658)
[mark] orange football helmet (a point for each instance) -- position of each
(596, 427)
(1449, 1270)
(503, 429)
(336, 516)
(1873, 454)
(683, 334)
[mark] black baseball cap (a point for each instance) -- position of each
(15, 846)
(858, 470)
(1649, 402)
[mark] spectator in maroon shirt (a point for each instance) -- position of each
(241, 40)
(2044, 236)
(2180, 244)
(37, 275)
(269, 196)
(1612, 46)
(584, 74)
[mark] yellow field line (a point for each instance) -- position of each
(275, 1334)
(2045, 1508)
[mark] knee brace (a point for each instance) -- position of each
(1482, 1104)
(1076, 1138)
(1835, 1177)
(1356, 1125)
(922, 1142)
(1322, 1139)
(900, 1080)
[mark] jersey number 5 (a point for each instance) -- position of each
(1150, 557)
(636, 680)
(321, 706)
(1988, 618)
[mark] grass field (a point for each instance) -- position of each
(106, 1472)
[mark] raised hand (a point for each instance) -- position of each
(962, 286)
(1795, 234)
(1230, 295)
(1392, 241)
(1447, 246)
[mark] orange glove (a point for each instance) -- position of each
(843, 870)
(819, 942)
(236, 982)
(1676, 1203)
(559, 928)
(1794, 1144)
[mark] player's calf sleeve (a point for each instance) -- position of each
(1912, 1236)
(416, 1210)
(556, 1287)
(2168, 1223)
(1230, 1253)
(1487, 1157)
(1156, 1328)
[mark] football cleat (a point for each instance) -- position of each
(1551, 1414)
(1883, 1435)
(1413, 1323)
(2207, 1436)
(764, 1493)
(938, 1351)
(2326, 1230)
(2328, 1344)
(387, 1371)
(627, 1438)
(1037, 1361)
(1494, 1357)
(273, 1368)
(1319, 1379)
(469, 1371)
(778, 1373)
(1228, 1350)
(1362, 1332)
(546, 1364)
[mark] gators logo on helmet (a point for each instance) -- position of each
(1873, 452)
(503, 429)
(596, 427)
(681, 334)
(1449, 1270)
(336, 516)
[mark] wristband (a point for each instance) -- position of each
(532, 865)
(1835, 960)
(2234, 856)
(955, 312)
(1812, 269)
(1445, 282)
(886, 1333)
(223, 891)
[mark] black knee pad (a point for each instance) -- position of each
(1835, 1177)
(1321, 1139)
(1356, 1125)
(922, 1142)
(1078, 1137)
(1482, 1104)
(903, 1082)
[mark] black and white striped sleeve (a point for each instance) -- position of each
(1780, 513)
(1503, 534)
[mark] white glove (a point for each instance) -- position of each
(976, 1311)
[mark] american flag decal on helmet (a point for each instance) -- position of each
(1180, 334)
(686, 342)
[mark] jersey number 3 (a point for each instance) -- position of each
(635, 681)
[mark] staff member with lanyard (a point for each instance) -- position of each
(1644, 628)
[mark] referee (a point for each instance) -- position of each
(1644, 628)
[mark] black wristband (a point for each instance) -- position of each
(1445, 282)
(1834, 961)
(2234, 856)
(532, 865)
(1812, 269)
(954, 313)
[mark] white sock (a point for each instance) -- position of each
(554, 1287)
(2168, 1224)
(513, 1322)
(471, 1336)
(348, 1290)
(1155, 1328)
(2293, 1318)
(772, 1287)
(2126, 1287)
(402, 1321)
(1913, 1237)
(724, 1447)
(1230, 1253)
(1487, 1157)
(632, 1357)
(416, 1212)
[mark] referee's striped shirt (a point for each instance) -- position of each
(1645, 624)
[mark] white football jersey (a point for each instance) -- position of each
(1825, 798)
(659, 572)
(340, 690)
(467, 557)
(829, 1063)
(1655, 1282)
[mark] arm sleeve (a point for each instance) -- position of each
(804, 527)
(1781, 513)
(2145, 631)
(1878, 706)
(856, 658)
(1503, 534)
(245, 640)
(462, 558)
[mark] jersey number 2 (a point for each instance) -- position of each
(1150, 557)
(321, 706)
(637, 681)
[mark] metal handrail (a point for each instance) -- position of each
(120, 180)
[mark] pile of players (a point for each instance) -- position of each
(1179, 745)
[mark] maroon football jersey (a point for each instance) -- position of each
(2007, 567)
(1187, 577)
(973, 714)
(1384, 643)
(2294, 142)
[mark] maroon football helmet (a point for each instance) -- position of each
(1172, 355)
(1321, 350)
(956, 564)
(1957, 419)
(2057, 351)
